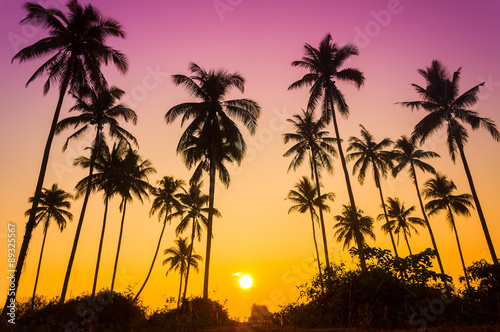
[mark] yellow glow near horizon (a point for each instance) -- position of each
(245, 281)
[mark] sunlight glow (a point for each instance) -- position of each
(245, 281)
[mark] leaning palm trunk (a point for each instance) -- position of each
(30, 225)
(119, 245)
(427, 222)
(317, 253)
(377, 183)
(323, 232)
(180, 288)
(407, 242)
(209, 225)
(93, 156)
(154, 258)
(476, 202)
(357, 233)
(189, 262)
(459, 248)
(106, 203)
(38, 269)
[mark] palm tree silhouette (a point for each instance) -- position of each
(305, 199)
(448, 108)
(310, 139)
(441, 190)
(368, 153)
(180, 257)
(405, 154)
(401, 221)
(212, 137)
(324, 65)
(349, 224)
(54, 204)
(97, 108)
(193, 210)
(165, 203)
(133, 180)
(76, 44)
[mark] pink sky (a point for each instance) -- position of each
(259, 39)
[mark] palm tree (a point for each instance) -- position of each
(448, 108)
(212, 137)
(133, 180)
(76, 44)
(180, 258)
(349, 224)
(165, 203)
(98, 108)
(401, 221)
(193, 210)
(368, 153)
(310, 138)
(54, 204)
(405, 154)
(441, 190)
(324, 66)
(106, 178)
(305, 199)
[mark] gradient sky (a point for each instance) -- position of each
(259, 39)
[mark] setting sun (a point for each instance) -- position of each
(245, 281)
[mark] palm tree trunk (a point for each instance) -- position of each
(119, 245)
(93, 156)
(180, 288)
(39, 264)
(189, 262)
(106, 201)
(323, 231)
(154, 258)
(407, 242)
(317, 253)
(478, 205)
(427, 221)
(30, 225)
(359, 237)
(377, 183)
(210, 219)
(459, 247)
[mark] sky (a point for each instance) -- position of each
(258, 39)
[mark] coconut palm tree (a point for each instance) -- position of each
(194, 210)
(400, 220)
(447, 107)
(440, 190)
(76, 44)
(98, 109)
(407, 154)
(310, 139)
(133, 174)
(105, 178)
(54, 205)
(212, 137)
(304, 197)
(165, 203)
(369, 153)
(349, 224)
(324, 66)
(180, 258)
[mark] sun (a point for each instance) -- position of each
(245, 281)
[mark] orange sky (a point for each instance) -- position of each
(259, 39)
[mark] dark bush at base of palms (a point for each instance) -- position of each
(394, 293)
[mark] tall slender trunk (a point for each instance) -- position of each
(323, 231)
(106, 203)
(180, 288)
(189, 261)
(427, 221)
(478, 205)
(317, 252)
(452, 220)
(119, 245)
(93, 156)
(30, 225)
(407, 242)
(39, 264)
(377, 183)
(154, 258)
(209, 225)
(359, 237)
